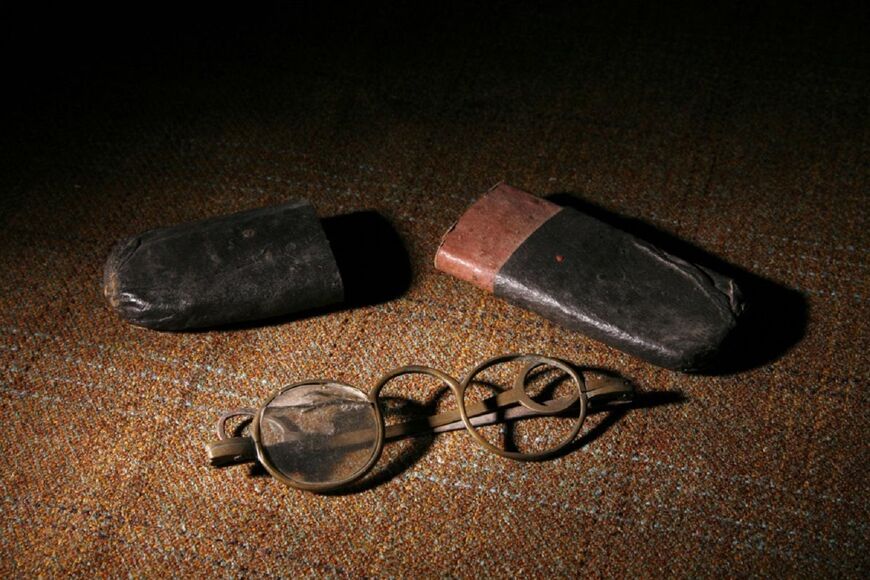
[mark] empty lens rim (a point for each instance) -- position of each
(532, 361)
(317, 486)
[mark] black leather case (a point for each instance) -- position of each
(246, 266)
(607, 284)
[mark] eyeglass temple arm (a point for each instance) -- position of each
(232, 451)
(228, 450)
(600, 390)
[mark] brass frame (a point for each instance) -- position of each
(232, 450)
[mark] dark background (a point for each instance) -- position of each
(60, 62)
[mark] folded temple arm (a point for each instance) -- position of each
(601, 391)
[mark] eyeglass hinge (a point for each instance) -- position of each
(231, 451)
(606, 389)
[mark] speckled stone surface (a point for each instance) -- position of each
(742, 132)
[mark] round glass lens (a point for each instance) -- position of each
(538, 428)
(319, 433)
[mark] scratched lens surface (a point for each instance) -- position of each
(319, 433)
(515, 428)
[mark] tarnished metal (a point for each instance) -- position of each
(592, 390)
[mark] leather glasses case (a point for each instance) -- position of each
(591, 277)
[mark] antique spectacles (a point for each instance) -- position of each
(320, 435)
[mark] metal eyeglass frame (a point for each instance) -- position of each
(511, 404)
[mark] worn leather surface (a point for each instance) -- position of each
(245, 266)
(611, 286)
(476, 247)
